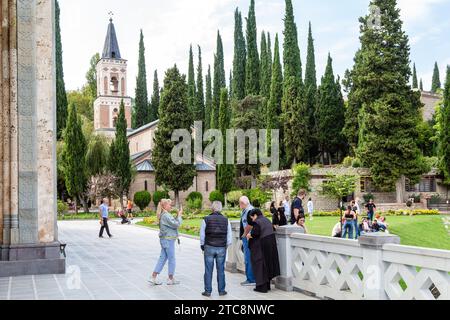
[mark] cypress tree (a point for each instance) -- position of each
(123, 167)
(142, 116)
(252, 79)
(199, 110)
(240, 58)
(310, 95)
(436, 83)
(154, 104)
(74, 156)
(225, 172)
(444, 131)
(61, 96)
(219, 82)
(383, 98)
(176, 115)
(415, 83)
(276, 94)
(208, 100)
(329, 115)
(421, 85)
(191, 82)
(291, 50)
(265, 79)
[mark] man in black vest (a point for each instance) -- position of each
(215, 237)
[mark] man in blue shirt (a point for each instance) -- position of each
(215, 238)
(297, 207)
(246, 207)
(104, 215)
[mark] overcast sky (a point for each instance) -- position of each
(170, 26)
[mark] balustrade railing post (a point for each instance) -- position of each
(373, 265)
(283, 234)
(232, 261)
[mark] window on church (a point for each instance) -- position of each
(114, 85)
(207, 186)
(145, 185)
(113, 55)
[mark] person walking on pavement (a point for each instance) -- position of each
(104, 216)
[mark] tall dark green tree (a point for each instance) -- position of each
(154, 104)
(382, 97)
(329, 115)
(310, 96)
(61, 97)
(436, 82)
(142, 111)
(266, 67)
(199, 109)
(291, 50)
(276, 94)
(421, 85)
(253, 71)
(191, 82)
(219, 82)
(444, 131)
(225, 172)
(208, 99)
(240, 59)
(123, 166)
(415, 83)
(74, 156)
(176, 116)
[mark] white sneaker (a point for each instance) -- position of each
(172, 282)
(155, 282)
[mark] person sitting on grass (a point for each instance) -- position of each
(364, 227)
(337, 229)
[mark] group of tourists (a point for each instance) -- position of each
(350, 227)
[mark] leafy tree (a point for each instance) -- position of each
(338, 187)
(302, 178)
(216, 196)
(240, 58)
(444, 134)
(91, 76)
(225, 172)
(142, 199)
(310, 96)
(436, 82)
(158, 196)
(142, 116)
(61, 97)
(199, 110)
(83, 101)
(74, 156)
(191, 82)
(219, 82)
(252, 70)
(97, 155)
(208, 99)
(176, 115)
(154, 105)
(122, 168)
(329, 116)
(415, 83)
(276, 94)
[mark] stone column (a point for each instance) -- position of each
(28, 105)
(283, 234)
(373, 265)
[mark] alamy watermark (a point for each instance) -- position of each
(242, 146)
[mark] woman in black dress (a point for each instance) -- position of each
(278, 216)
(264, 252)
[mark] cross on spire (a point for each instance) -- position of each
(111, 15)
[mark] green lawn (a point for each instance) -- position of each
(420, 231)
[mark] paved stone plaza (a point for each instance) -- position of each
(118, 269)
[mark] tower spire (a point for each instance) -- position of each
(111, 49)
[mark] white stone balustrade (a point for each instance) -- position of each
(376, 267)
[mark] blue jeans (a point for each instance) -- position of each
(356, 228)
(248, 262)
(219, 256)
(167, 253)
(370, 216)
(348, 229)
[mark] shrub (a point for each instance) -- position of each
(159, 195)
(258, 197)
(233, 197)
(194, 195)
(150, 220)
(435, 199)
(302, 176)
(367, 197)
(348, 161)
(216, 196)
(142, 199)
(195, 204)
(62, 208)
(356, 163)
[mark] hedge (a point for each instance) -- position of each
(142, 199)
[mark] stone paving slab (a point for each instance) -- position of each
(118, 269)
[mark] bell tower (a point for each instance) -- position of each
(111, 86)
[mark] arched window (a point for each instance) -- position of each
(145, 185)
(122, 84)
(114, 85)
(207, 186)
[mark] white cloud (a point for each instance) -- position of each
(415, 10)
